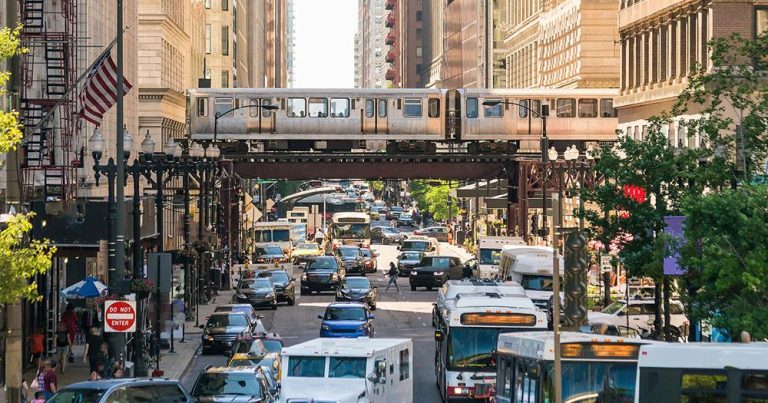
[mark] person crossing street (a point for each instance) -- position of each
(392, 273)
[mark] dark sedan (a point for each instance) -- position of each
(257, 292)
(352, 258)
(323, 273)
(285, 286)
(358, 290)
(223, 328)
(434, 271)
(407, 261)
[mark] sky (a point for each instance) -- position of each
(325, 40)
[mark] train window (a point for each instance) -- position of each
(606, 108)
(588, 108)
(369, 107)
(494, 111)
(523, 108)
(565, 107)
(202, 106)
(223, 105)
(536, 105)
(340, 107)
(297, 107)
(318, 107)
(433, 107)
(472, 108)
(253, 110)
(382, 108)
(412, 108)
(266, 112)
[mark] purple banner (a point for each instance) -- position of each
(673, 226)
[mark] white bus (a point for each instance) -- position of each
(351, 229)
(269, 233)
(703, 372)
(595, 368)
(531, 266)
(489, 254)
(452, 288)
(465, 340)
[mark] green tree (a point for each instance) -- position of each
(432, 196)
(19, 260)
(727, 259)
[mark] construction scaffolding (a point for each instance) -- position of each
(49, 69)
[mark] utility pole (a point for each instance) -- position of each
(117, 273)
(558, 376)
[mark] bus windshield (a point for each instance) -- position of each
(351, 231)
(490, 256)
(593, 382)
(473, 347)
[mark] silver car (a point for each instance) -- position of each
(386, 235)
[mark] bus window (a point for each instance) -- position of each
(297, 107)
(504, 378)
(340, 107)
(433, 108)
(471, 108)
(223, 105)
(369, 105)
(382, 108)
(526, 381)
(202, 106)
(253, 111)
(318, 107)
(523, 108)
(588, 108)
(565, 107)
(266, 112)
(495, 111)
(606, 108)
(412, 108)
(703, 387)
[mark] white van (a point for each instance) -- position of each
(360, 370)
(452, 288)
(419, 243)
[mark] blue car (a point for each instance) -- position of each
(346, 320)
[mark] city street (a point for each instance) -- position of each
(406, 314)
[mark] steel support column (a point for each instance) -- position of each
(575, 276)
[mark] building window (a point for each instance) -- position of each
(207, 74)
(419, 51)
(418, 16)
(207, 3)
(208, 39)
(225, 40)
(224, 5)
(225, 79)
(761, 20)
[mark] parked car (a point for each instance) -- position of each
(640, 312)
(371, 260)
(386, 235)
(269, 254)
(352, 258)
(394, 212)
(438, 232)
(344, 319)
(304, 250)
(323, 273)
(406, 261)
(123, 390)
(234, 384)
(257, 291)
(246, 309)
(285, 286)
(358, 290)
(434, 271)
(222, 328)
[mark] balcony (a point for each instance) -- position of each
(390, 4)
(390, 75)
(391, 39)
(391, 56)
(391, 19)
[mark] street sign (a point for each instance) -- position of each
(256, 214)
(269, 204)
(159, 270)
(120, 316)
(605, 262)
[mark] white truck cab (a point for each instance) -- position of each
(358, 370)
(489, 254)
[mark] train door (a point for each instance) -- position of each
(375, 113)
(260, 120)
(453, 115)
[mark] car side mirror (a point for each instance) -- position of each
(372, 378)
(320, 316)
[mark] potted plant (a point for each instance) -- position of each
(202, 246)
(142, 287)
(186, 255)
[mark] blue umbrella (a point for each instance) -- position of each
(91, 287)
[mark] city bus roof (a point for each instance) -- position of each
(351, 215)
(745, 356)
(344, 347)
(499, 310)
(452, 288)
(540, 345)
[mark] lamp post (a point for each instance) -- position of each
(543, 114)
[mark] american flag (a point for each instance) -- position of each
(99, 93)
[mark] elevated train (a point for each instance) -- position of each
(399, 120)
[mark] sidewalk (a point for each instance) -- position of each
(174, 365)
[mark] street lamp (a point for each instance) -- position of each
(220, 114)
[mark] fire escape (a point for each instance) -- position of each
(49, 68)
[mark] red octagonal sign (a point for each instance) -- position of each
(120, 316)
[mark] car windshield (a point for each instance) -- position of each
(397, 210)
(78, 396)
(281, 235)
(322, 264)
(536, 283)
(490, 256)
(593, 382)
(347, 367)
(261, 283)
(269, 250)
(279, 277)
(349, 252)
(410, 256)
(406, 215)
(389, 230)
(338, 313)
(240, 384)
(268, 235)
(227, 320)
(418, 246)
(436, 262)
(366, 252)
(614, 308)
(245, 362)
(473, 347)
(244, 309)
(306, 367)
(273, 346)
(308, 246)
(351, 231)
(357, 283)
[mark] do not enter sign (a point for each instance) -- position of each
(120, 316)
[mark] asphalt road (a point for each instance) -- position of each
(404, 314)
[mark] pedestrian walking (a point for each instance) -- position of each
(63, 341)
(36, 341)
(46, 380)
(92, 348)
(392, 273)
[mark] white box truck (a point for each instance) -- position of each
(489, 254)
(358, 370)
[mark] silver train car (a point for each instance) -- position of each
(398, 120)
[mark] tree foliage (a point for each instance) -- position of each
(433, 196)
(10, 130)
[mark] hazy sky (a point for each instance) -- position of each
(325, 38)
